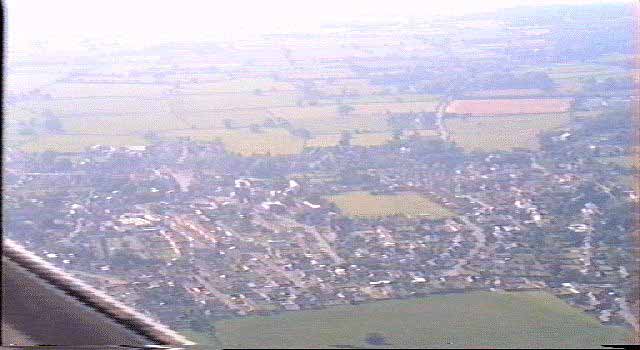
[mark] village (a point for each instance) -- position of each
(194, 230)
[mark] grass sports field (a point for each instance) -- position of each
(523, 319)
(363, 204)
(503, 133)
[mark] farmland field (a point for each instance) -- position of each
(332, 124)
(275, 142)
(102, 106)
(507, 92)
(364, 204)
(371, 139)
(248, 85)
(85, 90)
(508, 107)
(503, 133)
(77, 143)
(215, 119)
(236, 100)
(523, 319)
(324, 140)
(118, 125)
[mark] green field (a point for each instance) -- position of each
(503, 133)
(523, 319)
(363, 204)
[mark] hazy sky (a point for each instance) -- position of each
(160, 20)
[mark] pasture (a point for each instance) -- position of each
(522, 319)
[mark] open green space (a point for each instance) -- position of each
(503, 133)
(522, 319)
(364, 204)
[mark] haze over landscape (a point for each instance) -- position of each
(335, 174)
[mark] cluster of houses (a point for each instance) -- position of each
(232, 242)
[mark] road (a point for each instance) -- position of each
(480, 243)
(325, 247)
(183, 223)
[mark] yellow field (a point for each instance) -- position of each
(236, 100)
(366, 123)
(79, 90)
(503, 133)
(215, 119)
(507, 92)
(240, 85)
(104, 106)
(364, 204)
(395, 107)
(121, 124)
(324, 140)
(370, 139)
(78, 143)
(388, 98)
(359, 86)
(273, 141)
